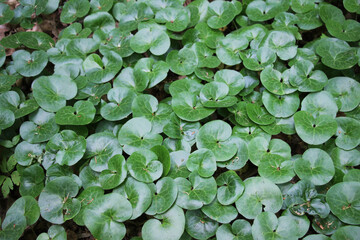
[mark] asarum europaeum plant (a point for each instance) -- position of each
(174, 119)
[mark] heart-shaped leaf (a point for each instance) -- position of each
(147, 106)
(182, 62)
(240, 229)
(314, 130)
(68, 147)
(135, 135)
(82, 113)
(99, 70)
(104, 216)
(200, 226)
(258, 192)
(101, 147)
(119, 106)
(196, 192)
(220, 213)
(138, 194)
(164, 195)
(57, 201)
(150, 72)
(216, 136)
(222, 13)
(74, 9)
(188, 107)
(144, 166)
(259, 114)
(52, 92)
(319, 103)
(171, 227)
(343, 199)
(115, 174)
(276, 82)
(316, 166)
(336, 53)
(267, 225)
(346, 90)
(347, 133)
(40, 127)
(29, 64)
(281, 106)
(260, 10)
(155, 40)
(230, 187)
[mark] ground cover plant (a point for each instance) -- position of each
(174, 119)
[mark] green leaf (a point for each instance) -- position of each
(119, 106)
(258, 192)
(182, 62)
(275, 82)
(73, 10)
(144, 166)
(277, 169)
(6, 13)
(146, 105)
(267, 225)
(260, 150)
(319, 103)
(188, 107)
(164, 195)
(215, 95)
(87, 197)
(281, 42)
(230, 187)
(203, 162)
(301, 75)
(51, 92)
(164, 157)
(115, 174)
(171, 227)
(302, 6)
(216, 136)
(155, 40)
(40, 127)
(36, 40)
(343, 199)
(101, 147)
(82, 113)
(178, 164)
(100, 20)
(150, 72)
(32, 181)
(352, 5)
(265, 10)
(314, 130)
(346, 91)
(68, 147)
(347, 133)
(135, 135)
(104, 216)
(175, 19)
(259, 114)
(200, 226)
(99, 70)
(7, 118)
(221, 14)
(196, 192)
(57, 201)
(229, 47)
(26, 152)
(316, 166)
(55, 232)
(219, 212)
(336, 53)
(138, 194)
(346, 232)
(29, 64)
(233, 79)
(281, 106)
